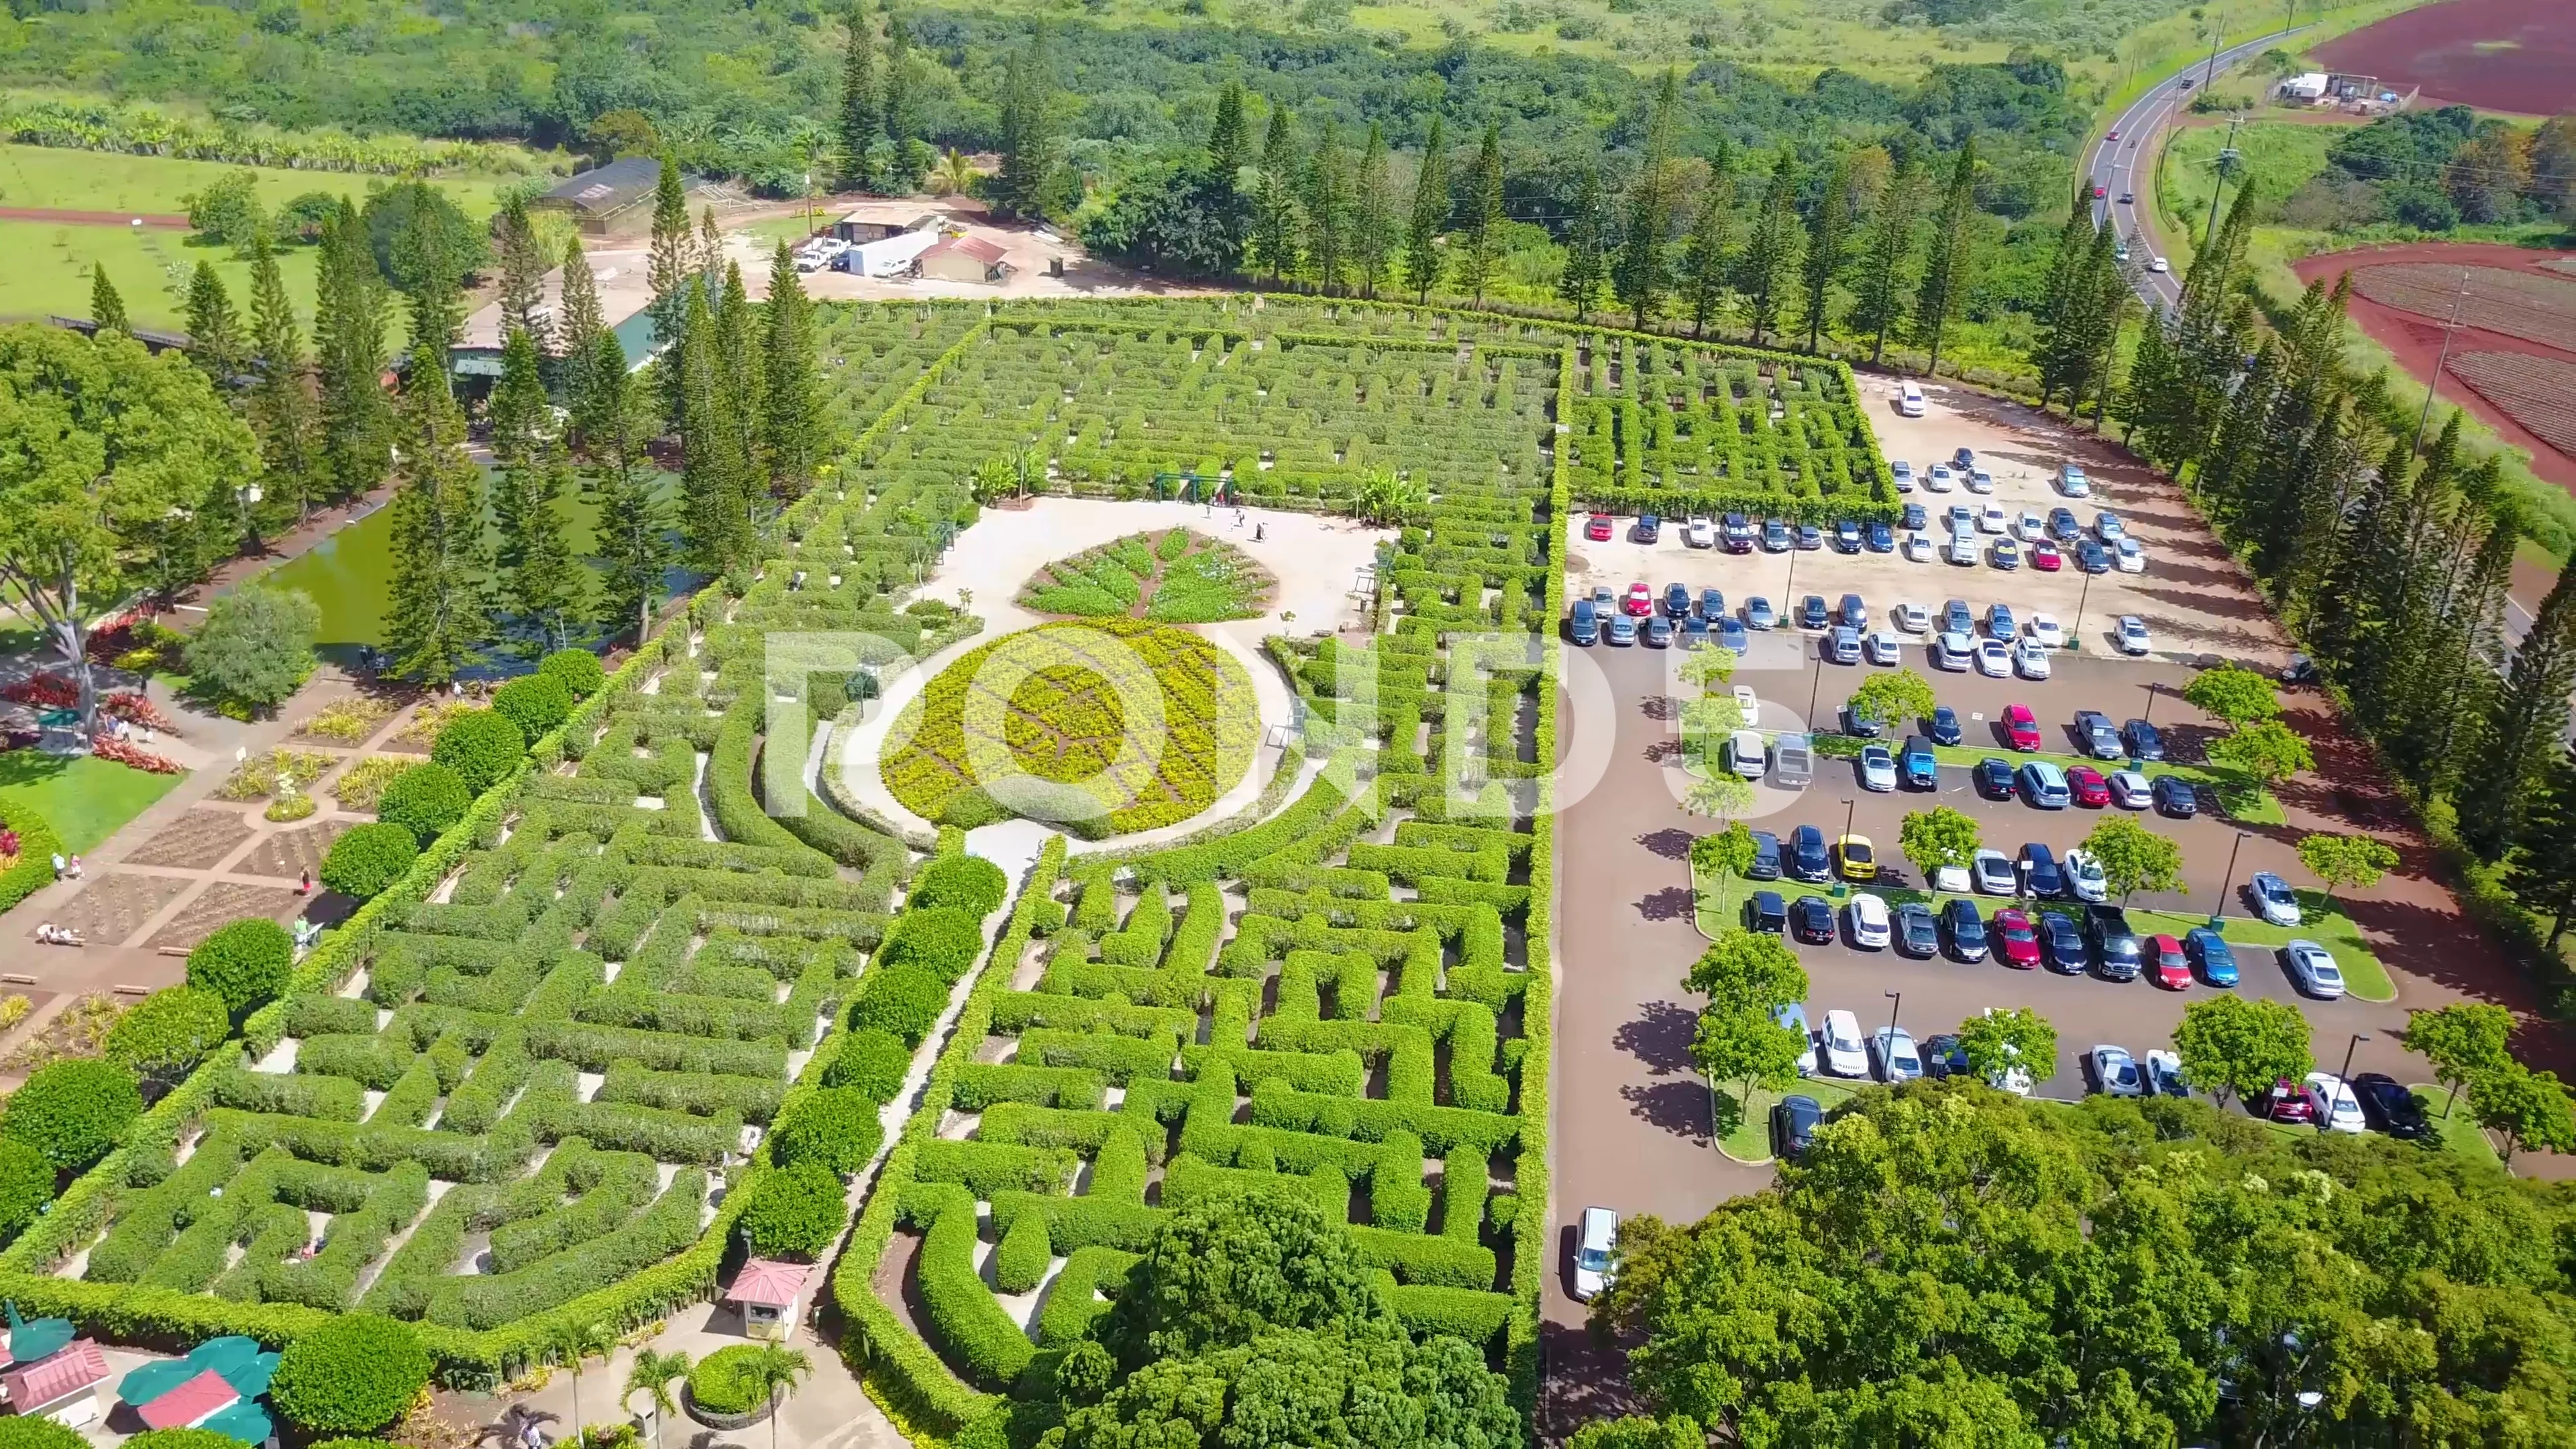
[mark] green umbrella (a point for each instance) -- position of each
(221, 1355)
(155, 1379)
(29, 1342)
(250, 1380)
(245, 1421)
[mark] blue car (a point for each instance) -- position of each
(1807, 858)
(1921, 770)
(1584, 625)
(1731, 635)
(1881, 538)
(1915, 516)
(2210, 956)
(1648, 529)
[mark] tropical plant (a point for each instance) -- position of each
(650, 1375)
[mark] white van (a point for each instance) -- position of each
(1909, 400)
(1592, 1267)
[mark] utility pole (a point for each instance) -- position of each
(2433, 385)
(2217, 34)
(2227, 155)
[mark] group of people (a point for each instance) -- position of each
(124, 729)
(52, 935)
(67, 869)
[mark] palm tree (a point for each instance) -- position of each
(953, 174)
(576, 1342)
(776, 1369)
(651, 1374)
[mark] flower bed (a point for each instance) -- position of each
(1174, 577)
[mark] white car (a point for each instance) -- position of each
(1912, 618)
(1950, 879)
(1963, 550)
(2128, 557)
(1980, 481)
(1993, 519)
(2030, 658)
(2336, 1103)
(1592, 1266)
(1868, 915)
(2158, 264)
(2273, 899)
(1952, 650)
(2115, 1072)
(1903, 473)
(1879, 647)
(1699, 533)
(1746, 755)
(2312, 970)
(2030, 527)
(1909, 400)
(1939, 479)
(2130, 790)
(2164, 1074)
(2131, 631)
(1994, 660)
(1897, 1059)
(1844, 1055)
(1747, 708)
(1918, 549)
(1994, 873)
(2084, 877)
(2045, 629)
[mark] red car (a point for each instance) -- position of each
(1598, 529)
(1640, 601)
(2089, 786)
(2288, 1101)
(2022, 728)
(2018, 943)
(2045, 557)
(2114, 134)
(2098, 193)
(2173, 970)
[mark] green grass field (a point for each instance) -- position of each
(86, 799)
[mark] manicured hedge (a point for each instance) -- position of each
(1021, 1260)
(350, 1375)
(37, 846)
(483, 748)
(940, 940)
(26, 1185)
(578, 670)
(536, 703)
(870, 1061)
(795, 1213)
(990, 1348)
(902, 1001)
(967, 883)
(73, 1110)
(246, 962)
(168, 1032)
(722, 1382)
(425, 799)
(367, 859)
(835, 1128)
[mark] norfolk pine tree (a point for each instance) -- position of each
(523, 274)
(1640, 276)
(628, 547)
(2543, 872)
(1274, 200)
(349, 338)
(280, 407)
(1769, 264)
(670, 262)
(1027, 145)
(1419, 264)
(106, 308)
(1328, 209)
(1828, 239)
(1477, 246)
(792, 425)
(1946, 267)
(739, 354)
(2523, 728)
(1887, 256)
(1373, 238)
(1710, 261)
(214, 327)
(577, 332)
(858, 120)
(538, 581)
(1586, 248)
(715, 513)
(434, 611)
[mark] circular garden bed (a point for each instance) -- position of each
(1099, 726)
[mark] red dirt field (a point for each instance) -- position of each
(154, 221)
(2416, 339)
(2497, 55)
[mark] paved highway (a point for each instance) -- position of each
(2123, 162)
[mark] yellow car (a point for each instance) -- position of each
(1859, 858)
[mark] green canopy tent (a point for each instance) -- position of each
(29, 1342)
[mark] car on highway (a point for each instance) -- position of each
(2313, 970)
(1856, 857)
(2117, 952)
(1639, 601)
(2084, 877)
(2336, 1103)
(1868, 916)
(1877, 769)
(2062, 943)
(1893, 1048)
(2021, 727)
(1811, 919)
(1994, 778)
(2089, 788)
(2093, 730)
(2045, 629)
(2016, 940)
(1758, 613)
(1597, 528)
(2174, 796)
(2047, 557)
(2099, 193)
(1699, 533)
(1659, 632)
(1844, 1055)
(2129, 789)
(2158, 264)
(2114, 1072)
(1916, 933)
(1993, 872)
(2112, 135)
(1808, 859)
(1965, 928)
(2167, 964)
(2030, 659)
(2210, 955)
(2389, 1107)
(1766, 912)
(1677, 600)
(2044, 786)
(1944, 725)
(2273, 900)
(1994, 659)
(1647, 529)
(2130, 197)
(1794, 1120)
(1746, 755)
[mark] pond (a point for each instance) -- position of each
(350, 574)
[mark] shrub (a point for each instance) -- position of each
(796, 1213)
(579, 671)
(245, 962)
(26, 1185)
(836, 1129)
(255, 647)
(73, 1111)
(425, 800)
(722, 1382)
(21, 1432)
(536, 703)
(350, 1375)
(939, 939)
(185, 1439)
(872, 1063)
(482, 748)
(902, 1001)
(368, 858)
(967, 883)
(1022, 1259)
(169, 1032)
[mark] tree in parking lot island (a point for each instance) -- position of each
(1747, 976)
(2463, 1041)
(1887, 699)
(2525, 1108)
(1721, 795)
(1747, 1046)
(1726, 854)
(2267, 750)
(2134, 858)
(2237, 697)
(1744, 968)
(2241, 1045)
(2346, 862)
(1997, 1041)
(1937, 837)
(1640, 1431)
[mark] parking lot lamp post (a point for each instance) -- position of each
(1847, 818)
(1817, 686)
(1898, 998)
(2075, 636)
(2230, 883)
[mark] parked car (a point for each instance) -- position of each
(2004, 554)
(1810, 538)
(1881, 648)
(1909, 399)
(1811, 919)
(1765, 911)
(1939, 479)
(1622, 630)
(1758, 614)
(1812, 613)
(1917, 765)
(1842, 646)
(2062, 944)
(1995, 779)
(2143, 740)
(1910, 617)
(1731, 635)
(1659, 632)
(2313, 970)
(1877, 537)
(2064, 526)
(2047, 557)
(1918, 549)
(1993, 872)
(1597, 528)
(1794, 1120)
(2093, 730)
(2131, 631)
(1776, 537)
(1647, 529)
(1844, 1055)
(2072, 482)
(1699, 533)
(2090, 557)
(2163, 1072)
(2090, 789)
(1951, 651)
(1913, 515)
(1868, 915)
(1943, 1056)
(1639, 602)
(1856, 857)
(2040, 873)
(2288, 1101)
(2016, 940)
(1793, 761)
(1808, 858)
(1999, 621)
(2174, 796)
(2130, 790)
(1846, 536)
(2045, 629)
(1694, 632)
(2117, 955)
(1877, 768)
(1677, 600)
(1746, 755)
(2084, 876)
(2044, 785)
(1901, 473)
(2273, 900)
(2030, 659)
(2210, 953)
(2107, 526)
(1994, 659)
(1793, 1015)
(1965, 928)
(2114, 1072)
(2389, 1107)
(2172, 970)
(1893, 1046)
(2029, 527)
(1963, 550)
(1593, 1244)
(1963, 458)
(2128, 557)
(1980, 481)
(1766, 857)
(2021, 727)
(1736, 532)
(1944, 727)
(1583, 626)
(2336, 1103)
(1916, 933)
(1712, 604)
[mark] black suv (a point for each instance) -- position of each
(2116, 952)
(1811, 612)
(1807, 858)
(2388, 1106)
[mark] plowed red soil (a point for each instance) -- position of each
(153, 220)
(2416, 338)
(2498, 55)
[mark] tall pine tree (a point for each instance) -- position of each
(1373, 238)
(1948, 266)
(2525, 726)
(1029, 158)
(792, 422)
(1587, 248)
(577, 332)
(1230, 137)
(630, 545)
(215, 336)
(739, 353)
(435, 612)
(349, 324)
(1770, 260)
(715, 511)
(904, 151)
(106, 307)
(1478, 246)
(672, 259)
(1828, 238)
(523, 274)
(1274, 200)
(2543, 877)
(1642, 271)
(860, 120)
(1708, 266)
(1328, 209)
(1420, 264)
(1887, 257)
(281, 405)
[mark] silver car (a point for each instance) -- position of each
(1994, 873)
(1880, 648)
(2273, 899)
(1893, 1046)
(2313, 969)
(2129, 790)
(1877, 768)
(1952, 650)
(2132, 633)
